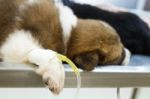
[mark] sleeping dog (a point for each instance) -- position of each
(134, 33)
(32, 31)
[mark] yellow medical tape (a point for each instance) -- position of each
(73, 66)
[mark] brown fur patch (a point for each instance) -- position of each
(91, 35)
(42, 19)
(8, 11)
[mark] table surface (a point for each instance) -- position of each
(137, 74)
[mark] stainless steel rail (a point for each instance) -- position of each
(19, 75)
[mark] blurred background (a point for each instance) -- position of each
(136, 6)
(139, 7)
(129, 4)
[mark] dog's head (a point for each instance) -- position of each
(95, 43)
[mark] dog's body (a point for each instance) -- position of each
(134, 33)
(28, 28)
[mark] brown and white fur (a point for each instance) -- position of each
(31, 30)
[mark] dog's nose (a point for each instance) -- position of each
(127, 55)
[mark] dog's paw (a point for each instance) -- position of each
(50, 68)
(53, 75)
(55, 85)
(87, 61)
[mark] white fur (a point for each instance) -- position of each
(17, 45)
(68, 20)
(127, 57)
(21, 47)
(50, 67)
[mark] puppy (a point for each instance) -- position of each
(32, 31)
(134, 33)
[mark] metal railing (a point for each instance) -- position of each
(21, 75)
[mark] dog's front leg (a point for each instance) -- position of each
(49, 67)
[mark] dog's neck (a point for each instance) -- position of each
(67, 19)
